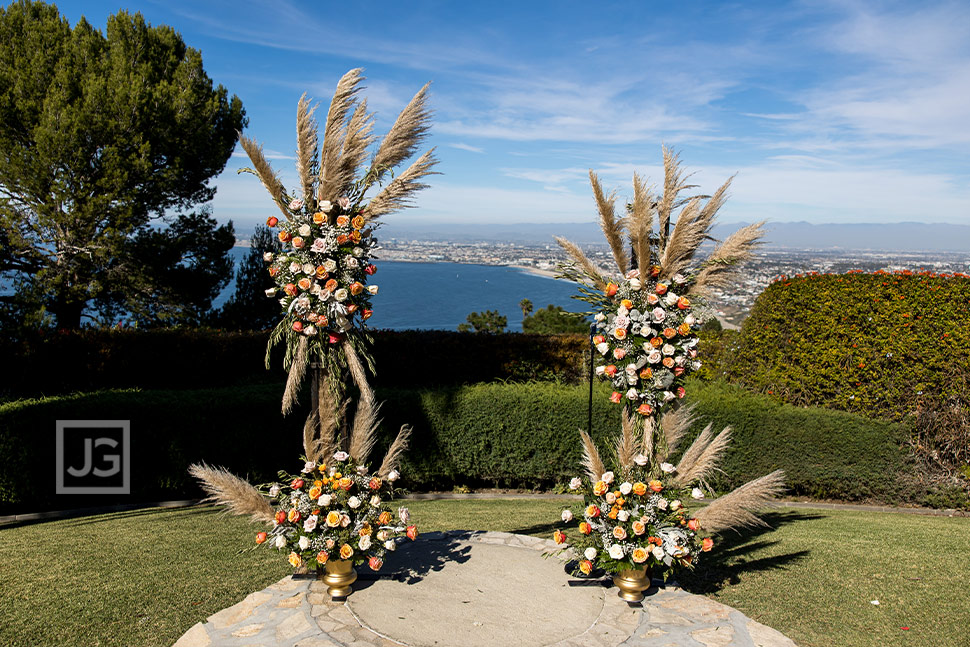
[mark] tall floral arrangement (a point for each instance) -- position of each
(326, 227)
(637, 510)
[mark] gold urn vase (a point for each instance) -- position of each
(339, 576)
(632, 583)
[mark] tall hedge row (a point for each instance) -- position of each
(883, 344)
(88, 360)
(521, 435)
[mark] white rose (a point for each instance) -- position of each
(697, 493)
(280, 541)
(344, 202)
(268, 257)
(607, 478)
(330, 265)
(390, 545)
(341, 456)
(630, 368)
(622, 312)
(325, 499)
(304, 542)
(632, 379)
(658, 552)
(641, 460)
(590, 553)
(659, 314)
(654, 356)
(635, 284)
(308, 268)
(372, 289)
(599, 369)
(623, 515)
(358, 252)
(310, 330)
(318, 290)
(364, 542)
(600, 317)
(690, 320)
(375, 501)
(668, 350)
(632, 394)
(296, 204)
(318, 246)
(676, 504)
(362, 470)
(304, 230)
(271, 292)
(679, 278)
(662, 503)
(575, 483)
(353, 502)
(393, 475)
(351, 262)
(325, 206)
(616, 551)
(567, 515)
(340, 295)
(625, 488)
(671, 299)
(404, 514)
(311, 523)
(295, 267)
(667, 468)
(602, 348)
(274, 490)
(668, 396)
(344, 520)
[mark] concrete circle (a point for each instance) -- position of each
(475, 594)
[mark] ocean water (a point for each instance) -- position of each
(439, 296)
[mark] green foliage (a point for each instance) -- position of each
(526, 305)
(249, 308)
(489, 321)
(554, 320)
(521, 435)
(99, 134)
(884, 345)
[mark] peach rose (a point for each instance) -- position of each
(656, 486)
(620, 333)
(661, 289)
(346, 552)
(319, 217)
(670, 333)
(297, 242)
(639, 528)
(330, 285)
(657, 342)
(645, 409)
(343, 221)
(342, 238)
(322, 557)
(707, 544)
(694, 525)
(295, 560)
(356, 288)
(668, 362)
(315, 492)
(619, 533)
(639, 555)
(384, 518)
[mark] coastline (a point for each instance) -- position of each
(549, 274)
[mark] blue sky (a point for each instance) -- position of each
(826, 111)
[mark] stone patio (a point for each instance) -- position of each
(475, 589)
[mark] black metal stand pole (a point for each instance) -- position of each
(592, 349)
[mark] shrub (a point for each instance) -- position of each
(499, 434)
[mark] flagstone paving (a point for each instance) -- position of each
(476, 589)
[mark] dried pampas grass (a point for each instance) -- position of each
(265, 173)
(394, 453)
(738, 509)
(591, 458)
(238, 496)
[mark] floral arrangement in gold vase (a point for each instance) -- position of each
(332, 516)
(637, 517)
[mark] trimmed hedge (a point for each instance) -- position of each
(521, 435)
(884, 345)
(90, 360)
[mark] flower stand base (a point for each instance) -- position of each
(339, 576)
(632, 583)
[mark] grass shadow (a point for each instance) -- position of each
(724, 566)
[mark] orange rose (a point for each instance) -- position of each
(614, 512)
(385, 518)
(343, 221)
(683, 303)
(318, 483)
(294, 515)
(304, 284)
(346, 552)
(639, 528)
(346, 483)
(356, 288)
(661, 289)
(585, 528)
(639, 555)
(645, 409)
(342, 238)
(616, 397)
(620, 333)
(375, 563)
(412, 532)
(322, 557)
(273, 271)
(280, 517)
(330, 285)
(694, 525)
(295, 560)
(319, 217)
(639, 488)
(357, 222)
(321, 272)
(593, 511)
(657, 342)
(654, 271)
(656, 486)
(600, 488)
(315, 492)
(610, 371)
(611, 289)
(297, 242)
(284, 236)
(670, 333)
(355, 236)
(626, 303)
(684, 329)
(668, 362)
(598, 339)
(272, 221)
(290, 289)
(656, 541)
(559, 536)
(260, 537)
(707, 544)
(365, 529)
(619, 533)
(585, 566)
(646, 373)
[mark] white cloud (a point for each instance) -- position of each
(467, 147)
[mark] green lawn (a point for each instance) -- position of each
(144, 577)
